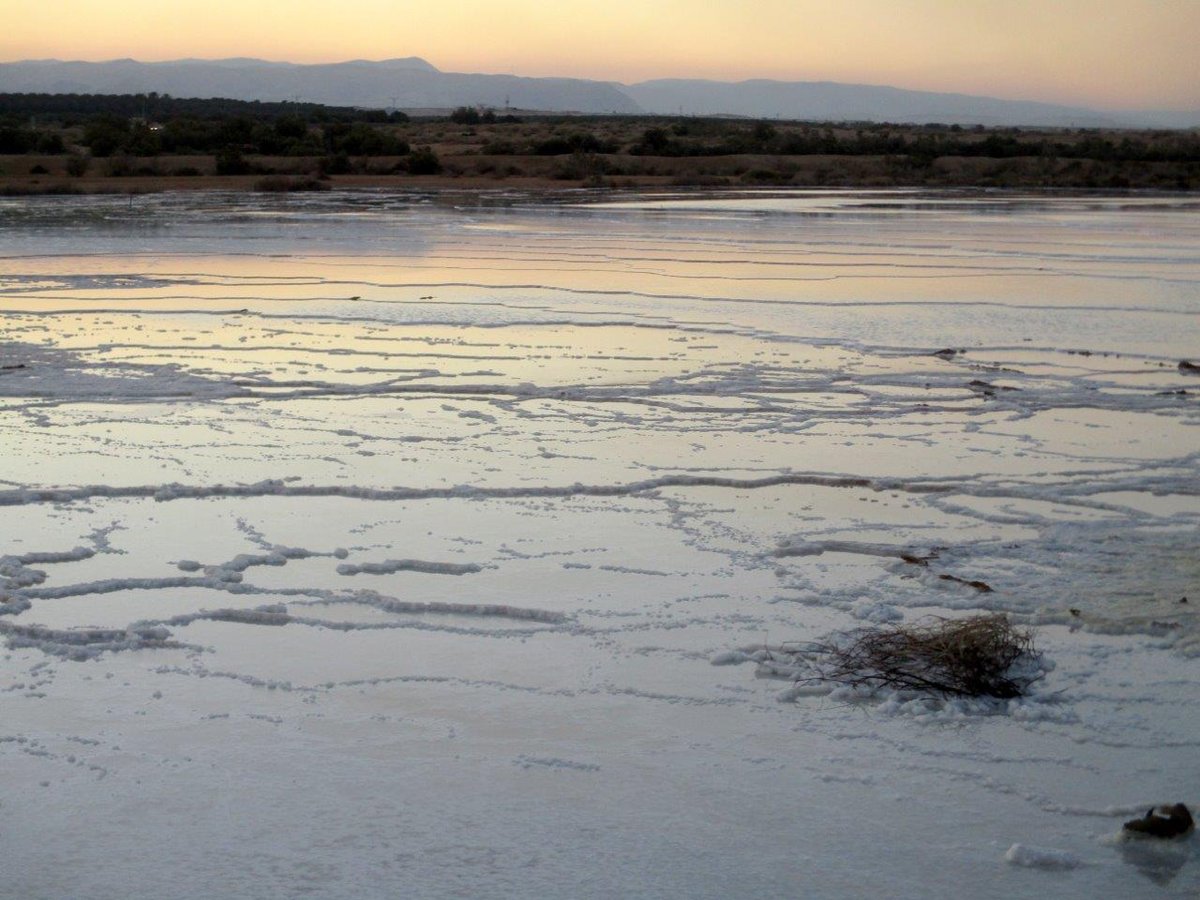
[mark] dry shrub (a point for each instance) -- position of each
(983, 656)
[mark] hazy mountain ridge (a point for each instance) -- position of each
(827, 100)
(413, 83)
(403, 83)
(838, 101)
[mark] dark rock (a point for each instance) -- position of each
(986, 388)
(982, 586)
(1163, 822)
(1188, 368)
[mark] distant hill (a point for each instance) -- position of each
(410, 83)
(827, 100)
(413, 83)
(833, 101)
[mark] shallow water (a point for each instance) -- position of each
(389, 506)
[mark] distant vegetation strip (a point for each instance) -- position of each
(234, 137)
(73, 107)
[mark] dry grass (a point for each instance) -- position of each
(983, 656)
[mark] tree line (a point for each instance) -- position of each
(708, 138)
(69, 109)
(147, 125)
(153, 124)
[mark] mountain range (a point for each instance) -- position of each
(413, 84)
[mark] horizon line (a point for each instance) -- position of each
(730, 81)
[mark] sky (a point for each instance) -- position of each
(1110, 54)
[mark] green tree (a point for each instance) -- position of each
(291, 127)
(423, 161)
(105, 135)
(465, 115)
(655, 142)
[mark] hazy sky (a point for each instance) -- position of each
(1107, 53)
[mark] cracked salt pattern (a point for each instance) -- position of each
(377, 545)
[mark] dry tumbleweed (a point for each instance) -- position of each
(983, 656)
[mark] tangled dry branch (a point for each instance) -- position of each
(983, 656)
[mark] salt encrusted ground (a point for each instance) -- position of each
(366, 546)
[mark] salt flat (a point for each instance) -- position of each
(376, 545)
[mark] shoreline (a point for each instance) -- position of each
(140, 185)
(34, 175)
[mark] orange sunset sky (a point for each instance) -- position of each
(1102, 53)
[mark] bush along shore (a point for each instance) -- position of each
(52, 143)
